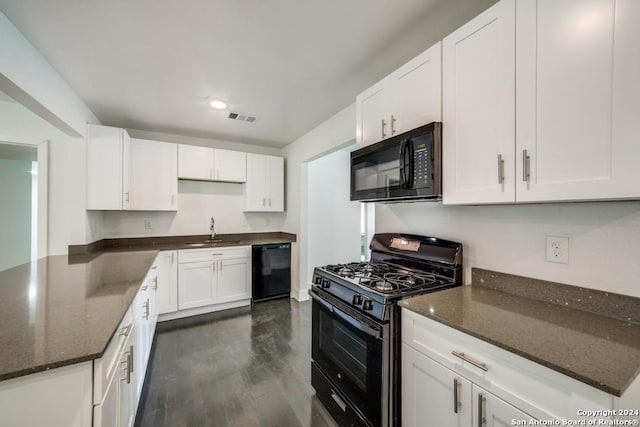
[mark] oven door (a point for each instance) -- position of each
(353, 353)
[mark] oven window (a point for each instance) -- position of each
(347, 350)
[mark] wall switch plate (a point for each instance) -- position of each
(558, 249)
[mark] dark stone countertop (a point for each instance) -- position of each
(62, 310)
(182, 242)
(601, 351)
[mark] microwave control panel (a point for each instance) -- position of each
(422, 162)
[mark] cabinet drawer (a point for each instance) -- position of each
(535, 389)
(106, 366)
(199, 255)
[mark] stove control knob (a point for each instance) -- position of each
(325, 283)
(367, 304)
(317, 280)
(357, 299)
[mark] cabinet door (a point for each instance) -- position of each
(167, 294)
(275, 201)
(154, 175)
(373, 114)
(429, 393)
(195, 162)
(234, 279)
(416, 88)
(140, 340)
(126, 376)
(478, 134)
(105, 151)
(196, 284)
(106, 413)
(230, 166)
(256, 187)
(578, 99)
(491, 411)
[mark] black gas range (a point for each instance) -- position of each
(356, 324)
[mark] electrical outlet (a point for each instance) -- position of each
(558, 249)
(147, 224)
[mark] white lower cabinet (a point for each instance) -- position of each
(449, 402)
(488, 386)
(207, 277)
(491, 411)
(167, 293)
(126, 384)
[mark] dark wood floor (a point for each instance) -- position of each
(244, 367)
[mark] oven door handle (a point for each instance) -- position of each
(362, 326)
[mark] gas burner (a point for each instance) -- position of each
(383, 285)
(410, 280)
(358, 269)
(346, 272)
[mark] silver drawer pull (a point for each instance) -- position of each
(339, 401)
(466, 358)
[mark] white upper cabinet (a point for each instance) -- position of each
(154, 175)
(195, 162)
(264, 190)
(129, 174)
(478, 126)
(211, 164)
(407, 98)
(541, 103)
(107, 168)
(578, 99)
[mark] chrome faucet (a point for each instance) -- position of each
(213, 229)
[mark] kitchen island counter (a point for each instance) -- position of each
(62, 310)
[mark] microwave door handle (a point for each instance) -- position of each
(408, 164)
(403, 148)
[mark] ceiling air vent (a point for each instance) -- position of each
(242, 117)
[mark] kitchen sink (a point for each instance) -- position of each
(209, 243)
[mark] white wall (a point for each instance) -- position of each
(604, 238)
(69, 222)
(15, 212)
(333, 220)
(335, 133)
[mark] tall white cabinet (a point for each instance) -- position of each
(407, 98)
(108, 165)
(264, 191)
(478, 126)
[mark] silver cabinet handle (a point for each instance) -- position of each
(481, 418)
(172, 254)
(466, 358)
(383, 123)
(263, 201)
(126, 196)
(269, 201)
(393, 122)
(456, 402)
(155, 283)
(500, 169)
(526, 166)
(221, 266)
(129, 363)
(213, 266)
(125, 331)
(144, 288)
(339, 401)
(146, 309)
(131, 356)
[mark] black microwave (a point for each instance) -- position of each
(404, 167)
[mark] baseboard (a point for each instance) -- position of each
(300, 294)
(202, 310)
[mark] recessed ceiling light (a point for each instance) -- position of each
(217, 104)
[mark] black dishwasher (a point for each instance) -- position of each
(271, 276)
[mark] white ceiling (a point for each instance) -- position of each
(150, 64)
